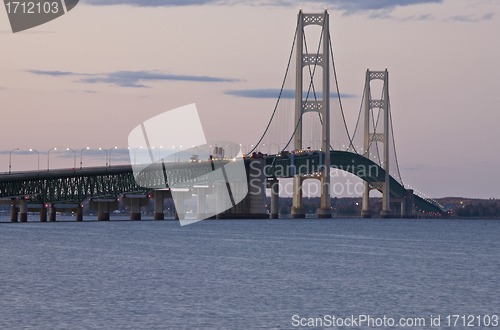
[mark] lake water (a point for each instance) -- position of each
(246, 274)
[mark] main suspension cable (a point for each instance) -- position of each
(281, 91)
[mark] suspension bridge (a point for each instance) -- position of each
(306, 136)
(315, 120)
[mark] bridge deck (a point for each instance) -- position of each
(68, 185)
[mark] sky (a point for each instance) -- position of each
(89, 77)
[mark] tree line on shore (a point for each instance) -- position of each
(351, 206)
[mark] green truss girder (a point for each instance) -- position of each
(306, 163)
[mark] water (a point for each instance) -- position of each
(244, 274)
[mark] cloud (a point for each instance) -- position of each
(354, 6)
(133, 78)
(386, 14)
(130, 78)
(424, 17)
(376, 9)
(348, 6)
(53, 73)
(471, 18)
(413, 167)
(273, 93)
(18, 152)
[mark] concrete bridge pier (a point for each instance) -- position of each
(158, 197)
(400, 207)
(325, 211)
(397, 207)
(103, 207)
(297, 207)
(43, 213)
(386, 204)
(409, 204)
(135, 208)
(158, 205)
(275, 197)
(52, 212)
(23, 210)
(79, 213)
(135, 202)
(13, 213)
(403, 208)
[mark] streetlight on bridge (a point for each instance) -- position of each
(74, 161)
(106, 155)
(110, 154)
(134, 153)
(38, 158)
(179, 154)
(48, 157)
(10, 159)
(159, 153)
(176, 151)
(81, 156)
(197, 149)
(152, 154)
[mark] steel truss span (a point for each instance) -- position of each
(69, 185)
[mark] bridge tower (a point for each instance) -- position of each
(370, 137)
(321, 106)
